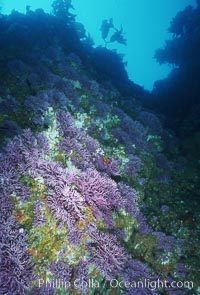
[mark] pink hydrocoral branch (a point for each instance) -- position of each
(107, 254)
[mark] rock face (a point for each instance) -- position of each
(178, 95)
(89, 187)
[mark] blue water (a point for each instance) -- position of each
(145, 24)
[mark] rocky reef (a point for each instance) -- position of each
(94, 190)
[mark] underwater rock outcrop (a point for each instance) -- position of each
(177, 96)
(85, 187)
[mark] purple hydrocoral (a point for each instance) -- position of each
(107, 254)
(49, 171)
(82, 149)
(143, 226)
(9, 184)
(74, 235)
(34, 104)
(167, 243)
(70, 193)
(131, 206)
(43, 290)
(133, 166)
(151, 121)
(139, 291)
(163, 163)
(39, 216)
(71, 200)
(175, 290)
(91, 144)
(66, 204)
(8, 175)
(136, 271)
(68, 129)
(6, 207)
(8, 105)
(16, 270)
(136, 132)
(21, 191)
(102, 109)
(100, 192)
(90, 86)
(38, 105)
(40, 74)
(119, 113)
(67, 89)
(61, 270)
(66, 124)
(78, 155)
(9, 128)
(182, 270)
(54, 97)
(92, 192)
(24, 151)
(132, 134)
(123, 138)
(82, 277)
(57, 82)
(130, 196)
(110, 166)
(68, 71)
